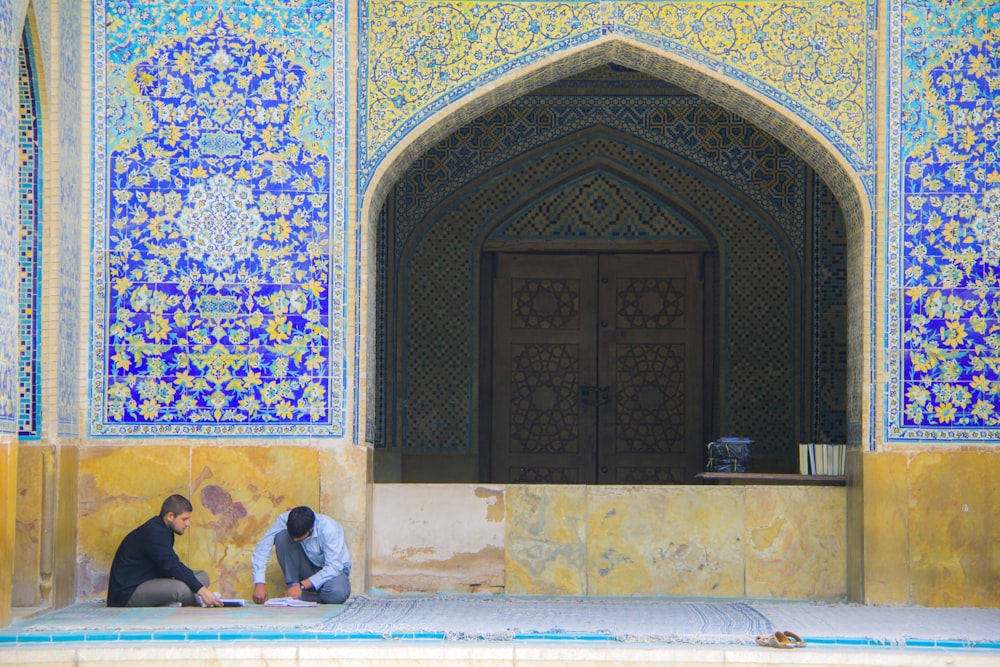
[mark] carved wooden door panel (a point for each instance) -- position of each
(597, 369)
(545, 316)
(650, 369)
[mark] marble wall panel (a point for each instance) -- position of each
(886, 529)
(345, 494)
(8, 493)
(67, 522)
(953, 530)
(546, 540)
(680, 540)
(447, 538)
(28, 538)
(237, 492)
(796, 545)
(119, 488)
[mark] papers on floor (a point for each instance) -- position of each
(289, 602)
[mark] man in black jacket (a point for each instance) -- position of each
(147, 573)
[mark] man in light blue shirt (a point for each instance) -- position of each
(312, 554)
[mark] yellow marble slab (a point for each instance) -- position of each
(67, 525)
(886, 528)
(796, 542)
(345, 495)
(677, 540)
(546, 540)
(8, 496)
(237, 493)
(119, 488)
(31, 465)
(953, 529)
(438, 538)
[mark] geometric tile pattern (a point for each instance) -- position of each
(815, 58)
(943, 269)
(219, 275)
(439, 259)
(598, 206)
(762, 168)
(29, 203)
(829, 325)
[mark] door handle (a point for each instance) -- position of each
(603, 396)
(595, 396)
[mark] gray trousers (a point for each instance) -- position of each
(296, 567)
(160, 592)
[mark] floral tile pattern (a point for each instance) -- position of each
(218, 241)
(811, 57)
(944, 258)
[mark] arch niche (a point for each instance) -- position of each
(732, 96)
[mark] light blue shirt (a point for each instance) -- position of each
(325, 548)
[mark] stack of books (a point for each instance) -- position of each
(822, 459)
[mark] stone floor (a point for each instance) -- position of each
(836, 634)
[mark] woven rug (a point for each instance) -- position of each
(96, 616)
(506, 618)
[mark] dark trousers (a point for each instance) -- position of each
(296, 567)
(159, 592)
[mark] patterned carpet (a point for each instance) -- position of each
(500, 618)
(512, 618)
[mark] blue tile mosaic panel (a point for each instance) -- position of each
(219, 250)
(944, 202)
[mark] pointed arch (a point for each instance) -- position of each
(730, 94)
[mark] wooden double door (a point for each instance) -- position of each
(598, 368)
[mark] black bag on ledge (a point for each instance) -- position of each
(729, 455)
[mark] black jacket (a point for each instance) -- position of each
(146, 553)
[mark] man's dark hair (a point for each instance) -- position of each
(300, 521)
(176, 505)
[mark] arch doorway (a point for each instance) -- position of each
(610, 174)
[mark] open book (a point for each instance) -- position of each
(289, 602)
(226, 602)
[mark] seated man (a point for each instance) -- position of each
(147, 573)
(312, 555)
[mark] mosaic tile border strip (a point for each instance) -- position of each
(193, 333)
(29, 197)
(72, 282)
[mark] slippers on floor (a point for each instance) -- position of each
(776, 640)
(795, 640)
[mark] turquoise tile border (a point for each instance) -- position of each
(317, 636)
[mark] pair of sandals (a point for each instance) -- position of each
(781, 639)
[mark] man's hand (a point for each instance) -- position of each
(294, 591)
(208, 597)
(259, 593)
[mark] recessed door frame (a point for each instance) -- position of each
(710, 394)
